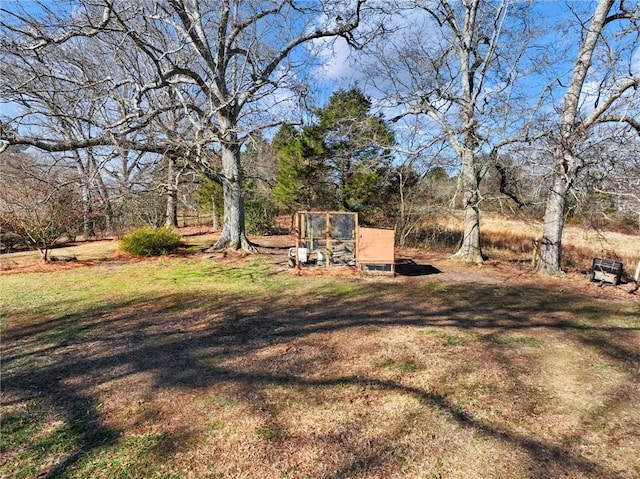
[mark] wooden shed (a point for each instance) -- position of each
(334, 238)
(376, 250)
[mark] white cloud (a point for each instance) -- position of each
(335, 61)
(635, 61)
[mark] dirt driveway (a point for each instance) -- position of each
(413, 264)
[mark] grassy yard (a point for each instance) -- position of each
(231, 368)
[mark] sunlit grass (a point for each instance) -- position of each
(184, 366)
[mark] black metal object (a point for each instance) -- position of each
(606, 271)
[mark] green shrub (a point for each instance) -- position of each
(149, 241)
(260, 216)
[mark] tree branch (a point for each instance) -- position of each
(632, 122)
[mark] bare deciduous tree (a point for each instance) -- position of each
(38, 202)
(615, 101)
(457, 64)
(229, 64)
(62, 95)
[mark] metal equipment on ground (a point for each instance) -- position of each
(606, 271)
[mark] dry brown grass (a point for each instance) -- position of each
(513, 240)
(232, 367)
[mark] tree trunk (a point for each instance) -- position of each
(106, 206)
(403, 220)
(214, 212)
(550, 256)
(171, 216)
(103, 193)
(87, 222)
(570, 131)
(470, 247)
(233, 228)
(84, 174)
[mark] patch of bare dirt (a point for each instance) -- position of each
(514, 273)
(413, 264)
(8, 266)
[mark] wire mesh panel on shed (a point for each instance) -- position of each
(326, 238)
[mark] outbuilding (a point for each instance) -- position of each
(334, 238)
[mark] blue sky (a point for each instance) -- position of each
(342, 67)
(339, 71)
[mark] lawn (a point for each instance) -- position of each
(235, 368)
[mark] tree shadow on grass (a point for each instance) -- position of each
(193, 343)
(408, 267)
